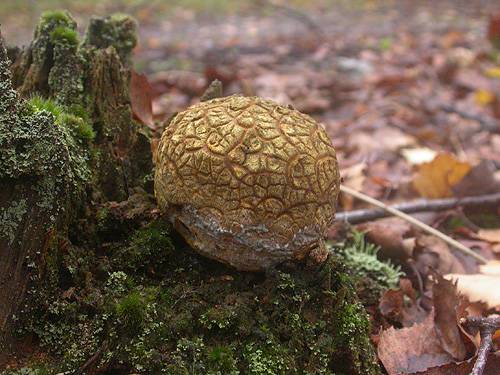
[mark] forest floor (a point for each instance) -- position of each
(409, 92)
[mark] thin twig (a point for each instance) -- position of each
(488, 123)
(487, 328)
(91, 360)
(414, 222)
(292, 13)
(434, 205)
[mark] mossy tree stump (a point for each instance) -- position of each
(83, 149)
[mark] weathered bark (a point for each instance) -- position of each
(25, 231)
(94, 75)
(36, 173)
(48, 173)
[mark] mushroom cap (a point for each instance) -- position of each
(247, 181)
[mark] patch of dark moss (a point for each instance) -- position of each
(188, 315)
(143, 254)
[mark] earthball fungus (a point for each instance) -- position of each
(248, 182)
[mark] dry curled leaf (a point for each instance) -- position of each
(446, 302)
(140, 97)
(479, 180)
(479, 288)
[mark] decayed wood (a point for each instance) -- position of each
(42, 195)
(27, 206)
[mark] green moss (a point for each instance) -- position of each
(65, 35)
(150, 249)
(61, 17)
(117, 30)
(132, 312)
(81, 130)
(41, 104)
(221, 361)
(201, 317)
(74, 118)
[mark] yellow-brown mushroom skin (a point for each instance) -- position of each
(247, 181)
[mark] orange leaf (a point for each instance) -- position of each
(435, 179)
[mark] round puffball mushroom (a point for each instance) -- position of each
(248, 182)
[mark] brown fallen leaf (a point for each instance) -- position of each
(388, 139)
(431, 252)
(478, 181)
(435, 179)
(401, 305)
(353, 177)
(412, 349)
(140, 97)
(493, 33)
(388, 234)
(464, 368)
(446, 303)
(492, 236)
(452, 38)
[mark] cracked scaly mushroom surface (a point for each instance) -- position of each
(247, 181)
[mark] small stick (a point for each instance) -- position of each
(424, 205)
(488, 123)
(414, 222)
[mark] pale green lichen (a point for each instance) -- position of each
(11, 217)
(372, 276)
(33, 145)
(65, 78)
